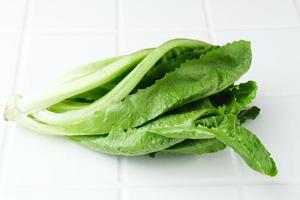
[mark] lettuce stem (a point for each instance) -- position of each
(92, 80)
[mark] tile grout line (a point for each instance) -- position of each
(121, 161)
(23, 42)
(7, 32)
(208, 21)
(20, 51)
(257, 28)
(152, 184)
(297, 7)
(101, 31)
(213, 39)
(117, 28)
(239, 181)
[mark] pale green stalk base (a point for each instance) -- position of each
(83, 84)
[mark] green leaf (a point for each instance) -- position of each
(171, 61)
(227, 129)
(248, 113)
(130, 143)
(236, 97)
(197, 147)
(152, 137)
(177, 125)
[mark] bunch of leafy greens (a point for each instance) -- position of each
(177, 98)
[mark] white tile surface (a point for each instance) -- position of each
(275, 63)
(241, 13)
(57, 53)
(11, 14)
(74, 15)
(181, 169)
(271, 192)
(162, 15)
(33, 160)
(188, 193)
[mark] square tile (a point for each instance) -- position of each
(11, 14)
(275, 61)
(49, 56)
(278, 128)
(241, 13)
(62, 193)
(74, 15)
(187, 193)
(270, 192)
(172, 169)
(162, 15)
(134, 41)
(8, 49)
(35, 160)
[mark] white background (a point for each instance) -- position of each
(41, 38)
